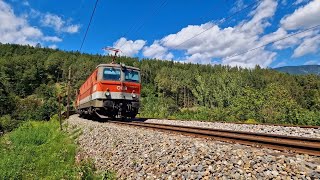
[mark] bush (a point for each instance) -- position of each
(35, 108)
(7, 124)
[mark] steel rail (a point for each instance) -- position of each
(293, 144)
(268, 124)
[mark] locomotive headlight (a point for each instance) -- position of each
(107, 93)
(133, 94)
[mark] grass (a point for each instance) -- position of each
(39, 150)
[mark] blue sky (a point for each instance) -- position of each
(167, 29)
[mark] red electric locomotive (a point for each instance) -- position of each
(112, 90)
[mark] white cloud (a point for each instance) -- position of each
(129, 47)
(53, 46)
(238, 5)
(303, 17)
(290, 42)
(299, 2)
(261, 15)
(220, 43)
(52, 39)
(58, 24)
(259, 57)
(25, 3)
(157, 51)
(309, 45)
(15, 29)
(312, 62)
(72, 28)
(207, 42)
(280, 64)
(199, 58)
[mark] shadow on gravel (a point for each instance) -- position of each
(106, 119)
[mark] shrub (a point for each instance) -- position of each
(7, 124)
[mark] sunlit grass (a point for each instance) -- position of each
(39, 150)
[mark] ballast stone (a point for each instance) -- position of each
(138, 153)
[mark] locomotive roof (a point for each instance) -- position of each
(117, 65)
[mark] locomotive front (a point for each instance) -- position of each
(116, 91)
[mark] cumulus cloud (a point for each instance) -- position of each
(290, 42)
(52, 39)
(309, 45)
(129, 47)
(261, 15)
(16, 29)
(216, 42)
(58, 24)
(259, 57)
(53, 46)
(312, 62)
(157, 51)
(206, 43)
(303, 17)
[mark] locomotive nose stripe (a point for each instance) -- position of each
(114, 95)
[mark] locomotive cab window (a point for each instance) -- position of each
(132, 76)
(111, 74)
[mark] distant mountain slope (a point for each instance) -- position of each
(304, 69)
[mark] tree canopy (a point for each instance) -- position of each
(31, 79)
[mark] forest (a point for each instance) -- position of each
(32, 78)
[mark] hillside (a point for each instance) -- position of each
(32, 78)
(300, 70)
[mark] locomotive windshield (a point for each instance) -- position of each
(111, 74)
(132, 76)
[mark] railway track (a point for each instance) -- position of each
(268, 124)
(291, 144)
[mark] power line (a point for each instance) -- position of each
(224, 20)
(280, 39)
(163, 4)
(85, 35)
(133, 25)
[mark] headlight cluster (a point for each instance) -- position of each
(133, 94)
(107, 92)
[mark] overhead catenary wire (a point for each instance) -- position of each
(85, 35)
(163, 4)
(280, 39)
(224, 20)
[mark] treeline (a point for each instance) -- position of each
(32, 78)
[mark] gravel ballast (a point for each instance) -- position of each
(138, 153)
(268, 129)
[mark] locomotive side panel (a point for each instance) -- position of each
(85, 93)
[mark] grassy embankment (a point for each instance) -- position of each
(39, 150)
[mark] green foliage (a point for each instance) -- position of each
(87, 169)
(251, 121)
(39, 150)
(7, 123)
(6, 100)
(31, 79)
(108, 175)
